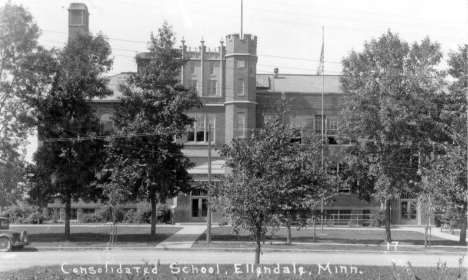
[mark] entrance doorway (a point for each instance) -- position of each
(409, 211)
(199, 209)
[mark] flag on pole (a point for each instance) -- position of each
(321, 62)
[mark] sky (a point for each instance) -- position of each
(289, 32)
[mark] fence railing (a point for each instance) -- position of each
(346, 220)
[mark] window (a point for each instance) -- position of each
(204, 125)
(240, 132)
(342, 188)
(107, 124)
(300, 121)
(194, 84)
(332, 125)
(211, 90)
(240, 64)
(212, 69)
(201, 128)
(88, 211)
(318, 123)
(241, 87)
(251, 71)
(73, 214)
(211, 121)
(192, 68)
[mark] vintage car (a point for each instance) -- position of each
(10, 239)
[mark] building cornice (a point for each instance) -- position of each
(240, 102)
(240, 54)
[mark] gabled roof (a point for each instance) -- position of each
(298, 83)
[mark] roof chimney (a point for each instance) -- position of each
(276, 71)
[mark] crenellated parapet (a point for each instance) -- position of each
(237, 45)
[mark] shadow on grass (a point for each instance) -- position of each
(25, 249)
(326, 239)
(97, 237)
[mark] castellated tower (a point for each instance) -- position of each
(241, 68)
(78, 19)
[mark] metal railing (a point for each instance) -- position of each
(356, 220)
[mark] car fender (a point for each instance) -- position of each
(7, 236)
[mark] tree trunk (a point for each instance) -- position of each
(388, 236)
(67, 217)
(153, 216)
(313, 223)
(463, 225)
(258, 238)
(288, 238)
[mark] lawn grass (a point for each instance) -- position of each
(228, 271)
(95, 236)
(333, 236)
(309, 247)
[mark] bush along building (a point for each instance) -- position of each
(237, 101)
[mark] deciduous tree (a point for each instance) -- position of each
(445, 176)
(67, 161)
(19, 76)
(151, 115)
(388, 115)
(271, 177)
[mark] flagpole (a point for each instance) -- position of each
(242, 19)
(323, 121)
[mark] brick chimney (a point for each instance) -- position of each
(276, 71)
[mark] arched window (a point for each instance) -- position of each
(107, 124)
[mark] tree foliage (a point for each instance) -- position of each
(151, 114)
(271, 177)
(388, 113)
(19, 57)
(11, 177)
(445, 175)
(65, 167)
(18, 46)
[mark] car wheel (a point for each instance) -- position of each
(5, 244)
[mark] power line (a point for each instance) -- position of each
(336, 17)
(357, 12)
(290, 13)
(283, 57)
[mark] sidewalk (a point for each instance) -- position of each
(184, 238)
(434, 232)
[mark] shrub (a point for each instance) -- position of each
(143, 213)
(35, 218)
(92, 218)
(23, 213)
(377, 218)
(129, 216)
(104, 215)
(163, 213)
